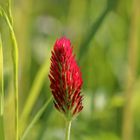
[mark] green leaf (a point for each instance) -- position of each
(34, 93)
(36, 118)
(111, 4)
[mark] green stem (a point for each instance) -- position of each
(67, 133)
(2, 93)
(10, 12)
(2, 80)
(15, 68)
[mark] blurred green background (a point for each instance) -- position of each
(105, 35)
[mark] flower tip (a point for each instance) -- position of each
(63, 41)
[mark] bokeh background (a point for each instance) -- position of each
(106, 39)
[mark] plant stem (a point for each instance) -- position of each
(10, 12)
(2, 93)
(1, 80)
(15, 68)
(67, 133)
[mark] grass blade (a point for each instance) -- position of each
(34, 93)
(36, 118)
(94, 28)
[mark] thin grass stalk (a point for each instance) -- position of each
(2, 93)
(2, 80)
(10, 12)
(15, 68)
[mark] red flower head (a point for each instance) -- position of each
(66, 79)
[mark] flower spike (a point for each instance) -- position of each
(66, 79)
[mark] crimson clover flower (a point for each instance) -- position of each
(66, 79)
